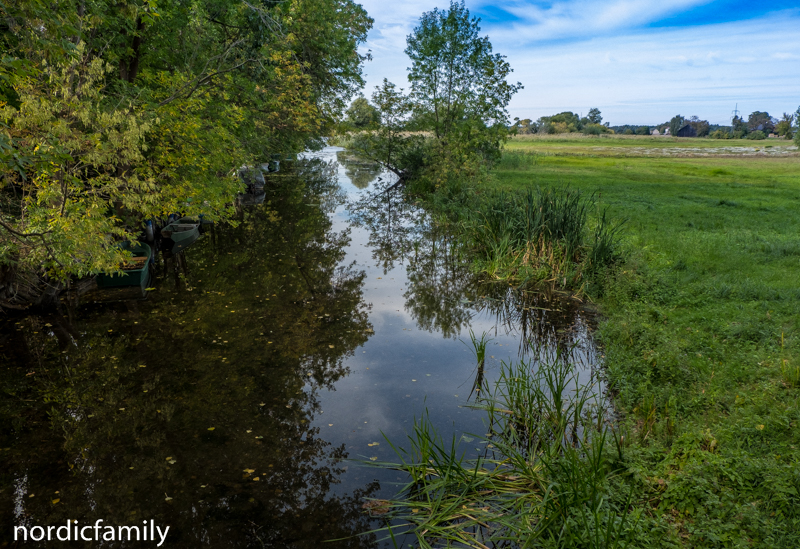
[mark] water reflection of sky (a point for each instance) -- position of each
(404, 368)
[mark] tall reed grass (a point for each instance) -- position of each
(537, 479)
(542, 235)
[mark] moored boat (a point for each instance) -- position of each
(135, 270)
(183, 232)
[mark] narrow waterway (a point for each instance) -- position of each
(235, 401)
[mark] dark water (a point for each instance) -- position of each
(232, 403)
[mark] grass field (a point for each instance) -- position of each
(701, 326)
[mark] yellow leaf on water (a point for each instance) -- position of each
(255, 479)
(211, 428)
(169, 458)
(331, 346)
(56, 500)
(248, 471)
(172, 462)
(373, 459)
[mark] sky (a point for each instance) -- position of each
(638, 61)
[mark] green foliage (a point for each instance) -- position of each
(594, 116)
(760, 121)
(450, 127)
(362, 115)
(458, 85)
(123, 112)
(756, 135)
(643, 130)
(675, 124)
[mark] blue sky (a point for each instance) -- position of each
(638, 61)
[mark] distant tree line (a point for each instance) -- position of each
(759, 125)
(565, 122)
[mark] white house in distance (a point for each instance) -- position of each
(655, 132)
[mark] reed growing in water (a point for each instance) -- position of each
(540, 479)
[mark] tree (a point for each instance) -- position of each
(760, 121)
(362, 114)
(458, 85)
(784, 127)
(675, 124)
(594, 116)
(390, 144)
(700, 126)
(643, 130)
(124, 111)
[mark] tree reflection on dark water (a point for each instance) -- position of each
(444, 294)
(194, 408)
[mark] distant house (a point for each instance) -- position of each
(687, 131)
(666, 132)
(655, 132)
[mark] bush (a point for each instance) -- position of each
(756, 135)
(643, 130)
(720, 134)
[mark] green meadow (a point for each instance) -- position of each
(700, 326)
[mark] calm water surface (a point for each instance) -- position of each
(236, 402)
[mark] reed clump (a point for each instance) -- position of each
(542, 236)
(538, 478)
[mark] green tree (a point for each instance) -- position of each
(362, 114)
(700, 126)
(760, 121)
(784, 127)
(123, 111)
(675, 124)
(594, 116)
(458, 86)
(643, 130)
(391, 144)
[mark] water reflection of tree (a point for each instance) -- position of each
(443, 294)
(195, 408)
(360, 172)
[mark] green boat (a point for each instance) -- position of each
(135, 271)
(183, 232)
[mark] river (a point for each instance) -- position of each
(238, 400)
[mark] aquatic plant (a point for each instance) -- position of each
(538, 478)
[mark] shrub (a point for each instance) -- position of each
(756, 135)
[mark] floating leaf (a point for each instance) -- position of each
(248, 471)
(255, 479)
(211, 428)
(56, 500)
(373, 459)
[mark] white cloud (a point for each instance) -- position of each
(633, 76)
(589, 17)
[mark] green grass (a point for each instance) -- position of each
(701, 327)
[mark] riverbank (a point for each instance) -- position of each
(701, 330)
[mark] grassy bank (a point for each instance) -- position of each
(701, 330)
